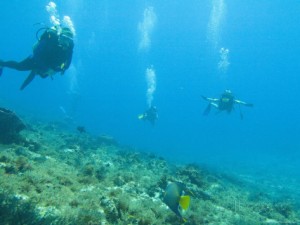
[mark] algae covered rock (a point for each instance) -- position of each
(107, 140)
(10, 126)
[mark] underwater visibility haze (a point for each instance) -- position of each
(131, 55)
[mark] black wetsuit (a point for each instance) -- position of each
(226, 102)
(51, 54)
(151, 115)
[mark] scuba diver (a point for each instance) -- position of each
(51, 54)
(225, 103)
(150, 115)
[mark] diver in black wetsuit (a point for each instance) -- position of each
(51, 54)
(225, 103)
(150, 115)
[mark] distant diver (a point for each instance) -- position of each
(51, 54)
(225, 103)
(81, 129)
(176, 198)
(150, 115)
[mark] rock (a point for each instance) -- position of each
(10, 126)
(107, 140)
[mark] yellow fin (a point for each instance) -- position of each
(141, 116)
(184, 202)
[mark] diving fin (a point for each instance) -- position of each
(241, 113)
(28, 80)
(207, 110)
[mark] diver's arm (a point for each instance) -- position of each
(243, 103)
(210, 99)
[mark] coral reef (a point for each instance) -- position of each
(57, 176)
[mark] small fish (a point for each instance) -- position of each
(176, 199)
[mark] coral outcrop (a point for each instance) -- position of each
(62, 177)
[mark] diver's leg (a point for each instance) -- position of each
(26, 64)
(28, 80)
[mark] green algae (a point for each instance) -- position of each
(60, 177)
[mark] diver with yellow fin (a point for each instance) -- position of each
(150, 115)
(51, 54)
(176, 198)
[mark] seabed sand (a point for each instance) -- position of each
(56, 176)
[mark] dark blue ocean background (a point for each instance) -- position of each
(105, 87)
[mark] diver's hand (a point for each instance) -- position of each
(205, 98)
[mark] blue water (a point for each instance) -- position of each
(105, 88)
